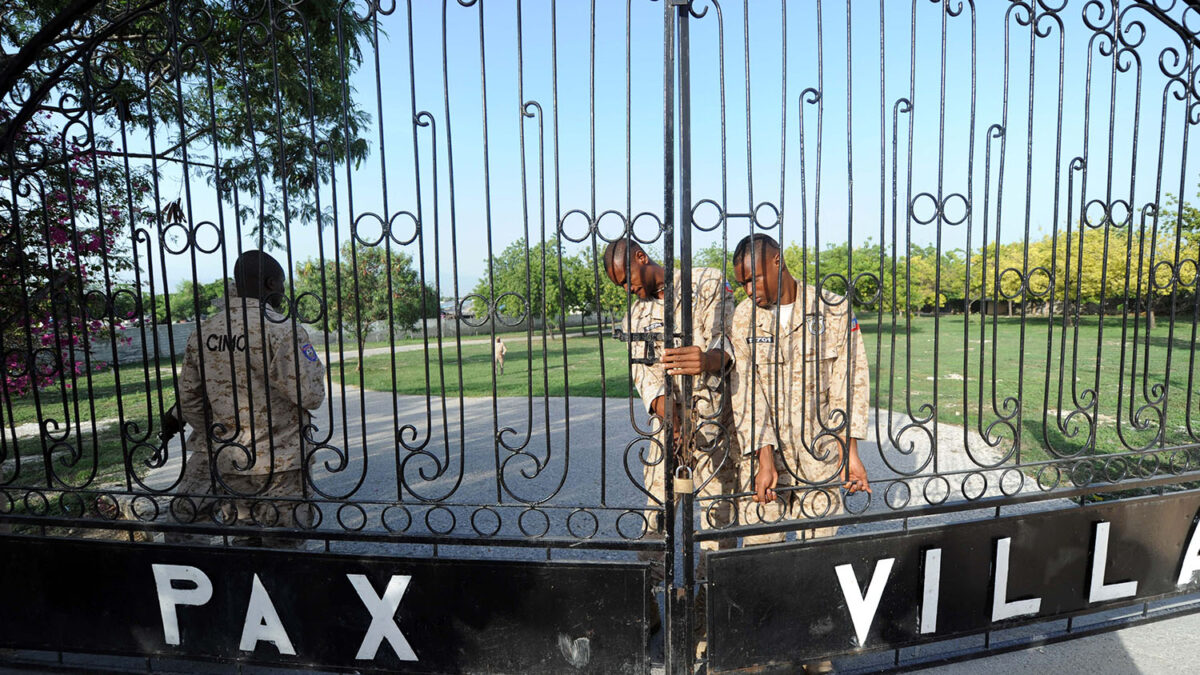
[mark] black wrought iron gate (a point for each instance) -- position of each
(990, 206)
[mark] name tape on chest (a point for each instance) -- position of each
(767, 339)
(225, 343)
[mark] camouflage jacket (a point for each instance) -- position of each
(247, 385)
(802, 385)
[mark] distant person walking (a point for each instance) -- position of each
(501, 350)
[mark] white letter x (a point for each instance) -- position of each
(383, 610)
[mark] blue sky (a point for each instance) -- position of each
(847, 136)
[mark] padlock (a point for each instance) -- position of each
(683, 480)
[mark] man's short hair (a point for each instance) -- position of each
(252, 270)
(763, 244)
(616, 251)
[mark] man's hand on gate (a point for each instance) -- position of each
(692, 360)
(767, 476)
(659, 408)
(857, 479)
(171, 423)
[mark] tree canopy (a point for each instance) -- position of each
(265, 122)
(363, 286)
(545, 282)
(99, 98)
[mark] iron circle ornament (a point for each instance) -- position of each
(1010, 476)
(36, 503)
(855, 503)
(444, 527)
(507, 318)
(566, 226)
(309, 308)
(265, 514)
(491, 514)
(392, 227)
(358, 227)
(642, 525)
(1048, 484)
(145, 508)
(611, 226)
(955, 209)
(894, 498)
(472, 322)
(184, 509)
(307, 515)
(524, 526)
(389, 519)
(168, 235)
(203, 228)
(703, 208)
(767, 216)
(72, 505)
(917, 212)
(351, 517)
(592, 524)
(941, 490)
(646, 221)
(974, 486)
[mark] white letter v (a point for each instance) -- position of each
(863, 607)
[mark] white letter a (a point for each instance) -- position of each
(262, 623)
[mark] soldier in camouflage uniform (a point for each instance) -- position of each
(249, 379)
(706, 449)
(704, 438)
(798, 354)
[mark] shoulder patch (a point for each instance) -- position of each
(853, 324)
(309, 352)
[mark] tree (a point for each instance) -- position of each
(364, 286)
(61, 246)
(259, 121)
(533, 281)
(264, 126)
(192, 301)
(588, 285)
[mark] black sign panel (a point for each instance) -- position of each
(320, 610)
(796, 603)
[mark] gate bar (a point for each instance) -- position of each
(672, 643)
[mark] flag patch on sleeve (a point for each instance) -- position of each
(309, 352)
(853, 324)
(728, 288)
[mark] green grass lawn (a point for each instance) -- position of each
(1051, 379)
(88, 456)
(903, 377)
(506, 334)
(95, 458)
(528, 370)
(903, 374)
(79, 399)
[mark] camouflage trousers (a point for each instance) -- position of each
(222, 505)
